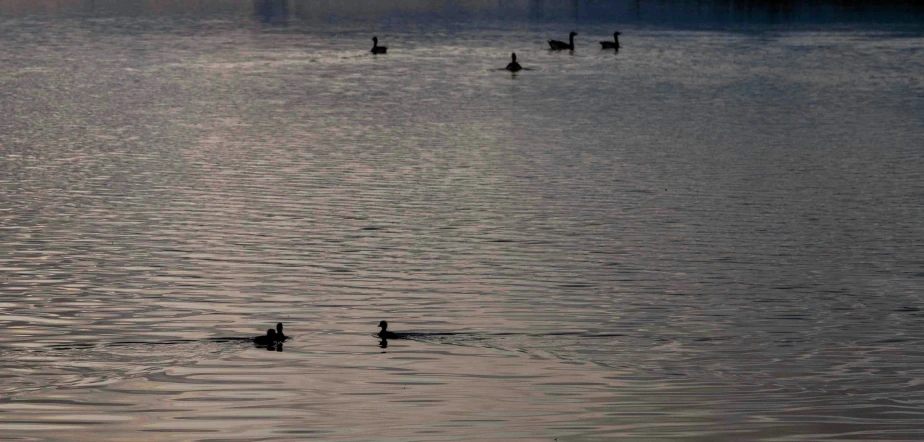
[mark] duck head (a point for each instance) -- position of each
(375, 39)
(279, 328)
(270, 333)
(514, 57)
(383, 325)
(572, 34)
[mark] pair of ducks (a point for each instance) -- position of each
(276, 336)
(558, 45)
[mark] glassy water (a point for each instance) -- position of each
(713, 234)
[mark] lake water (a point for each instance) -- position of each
(713, 234)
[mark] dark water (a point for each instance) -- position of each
(713, 234)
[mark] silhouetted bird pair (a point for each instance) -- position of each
(557, 45)
(272, 337)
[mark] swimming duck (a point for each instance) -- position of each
(557, 45)
(611, 44)
(269, 339)
(279, 335)
(513, 66)
(376, 49)
(385, 334)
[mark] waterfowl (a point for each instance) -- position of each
(513, 66)
(557, 45)
(385, 334)
(376, 49)
(280, 336)
(269, 339)
(611, 44)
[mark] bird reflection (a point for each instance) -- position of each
(383, 344)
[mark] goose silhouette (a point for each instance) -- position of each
(376, 49)
(611, 44)
(558, 45)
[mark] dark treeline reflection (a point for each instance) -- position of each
(648, 11)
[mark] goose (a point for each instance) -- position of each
(559, 45)
(611, 44)
(513, 66)
(376, 49)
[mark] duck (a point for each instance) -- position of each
(269, 338)
(611, 44)
(557, 45)
(280, 336)
(385, 334)
(376, 49)
(513, 66)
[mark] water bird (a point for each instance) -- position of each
(385, 334)
(513, 66)
(557, 45)
(376, 49)
(611, 44)
(269, 338)
(279, 334)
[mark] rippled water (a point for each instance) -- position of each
(712, 234)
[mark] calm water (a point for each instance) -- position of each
(715, 234)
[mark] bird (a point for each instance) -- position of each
(376, 49)
(279, 335)
(385, 334)
(269, 339)
(513, 66)
(557, 45)
(611, 44)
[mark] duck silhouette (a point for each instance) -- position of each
(558, 45)
(269, 338)
(280, 336)
(376, 49)
(611, 44)
(513, 66)
(385, 334)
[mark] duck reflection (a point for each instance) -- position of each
(383, 344)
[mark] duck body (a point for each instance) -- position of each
(611, 44)
(269, 338)
(557, 45)
(376, 49)
(385, 334)
(513, 66)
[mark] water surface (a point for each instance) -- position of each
(713, 234)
